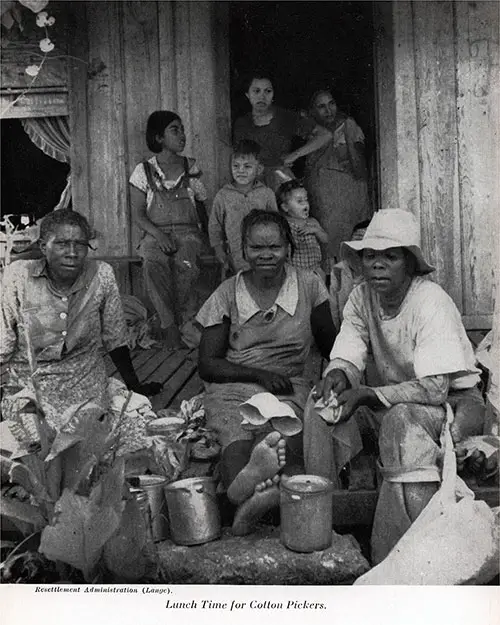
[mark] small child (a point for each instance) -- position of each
(308, 236)
(343, 280)
(234, 201)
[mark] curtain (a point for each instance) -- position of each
(52, 136)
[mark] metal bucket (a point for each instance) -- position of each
(193, 511)
(306, 513)
(153, 487)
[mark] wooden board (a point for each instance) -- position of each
(39, 104)
(106, 129)
(172, 385)
(437, 123)
(78, 106)
(438, 94)
(53, 74)
(385, 78)
(141, 66)
(408, 187)
(478, 107)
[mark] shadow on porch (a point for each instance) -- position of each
(175, 370)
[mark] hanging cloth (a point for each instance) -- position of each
(51, 135)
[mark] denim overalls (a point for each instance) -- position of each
(169, 279)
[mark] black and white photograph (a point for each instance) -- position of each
(250, 328)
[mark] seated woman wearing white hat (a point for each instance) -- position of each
(423, 359)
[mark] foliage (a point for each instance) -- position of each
(76, 488)
(83, 525)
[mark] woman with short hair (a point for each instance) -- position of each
(258, 327)
(57, 313)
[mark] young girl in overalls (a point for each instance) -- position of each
(165, 194)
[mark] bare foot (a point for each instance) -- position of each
(265, 497)
(266, 459)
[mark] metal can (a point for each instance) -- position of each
(193, 511)
(153, 488)
(141, 498)
(306, 506)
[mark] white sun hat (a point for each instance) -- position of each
(262, 408)
(390, 227)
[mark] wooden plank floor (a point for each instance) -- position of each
(176, 370)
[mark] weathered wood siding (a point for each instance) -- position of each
(46, 95)
(144, 56)
(438, 108)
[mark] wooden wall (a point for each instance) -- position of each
(142, 56)
(22, 96)
(437, 74)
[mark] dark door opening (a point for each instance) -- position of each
(307, 46)
(32, 182)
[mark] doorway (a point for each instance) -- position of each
(306, 46)
(32, 182)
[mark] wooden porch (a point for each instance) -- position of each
(175, 370)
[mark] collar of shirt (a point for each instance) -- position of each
(167, 184)
(39, 270)
(257, 184)
(287, 299)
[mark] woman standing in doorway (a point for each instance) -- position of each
(274, 129)
(336, 175)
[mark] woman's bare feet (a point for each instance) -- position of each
(266, 459)
(266, 496)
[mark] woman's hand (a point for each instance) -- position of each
(275, 383)
(335, 380)
(289, 159)
(351, 399)
(166, 242)
(149, 389)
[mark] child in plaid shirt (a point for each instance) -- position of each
(308, 236)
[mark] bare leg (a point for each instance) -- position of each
(266, 459)
(417, 496)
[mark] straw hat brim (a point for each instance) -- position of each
(349, 251)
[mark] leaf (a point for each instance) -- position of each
(82, 422)
(23, 514)
(29, 477)
(76, 472)
(84, 524)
